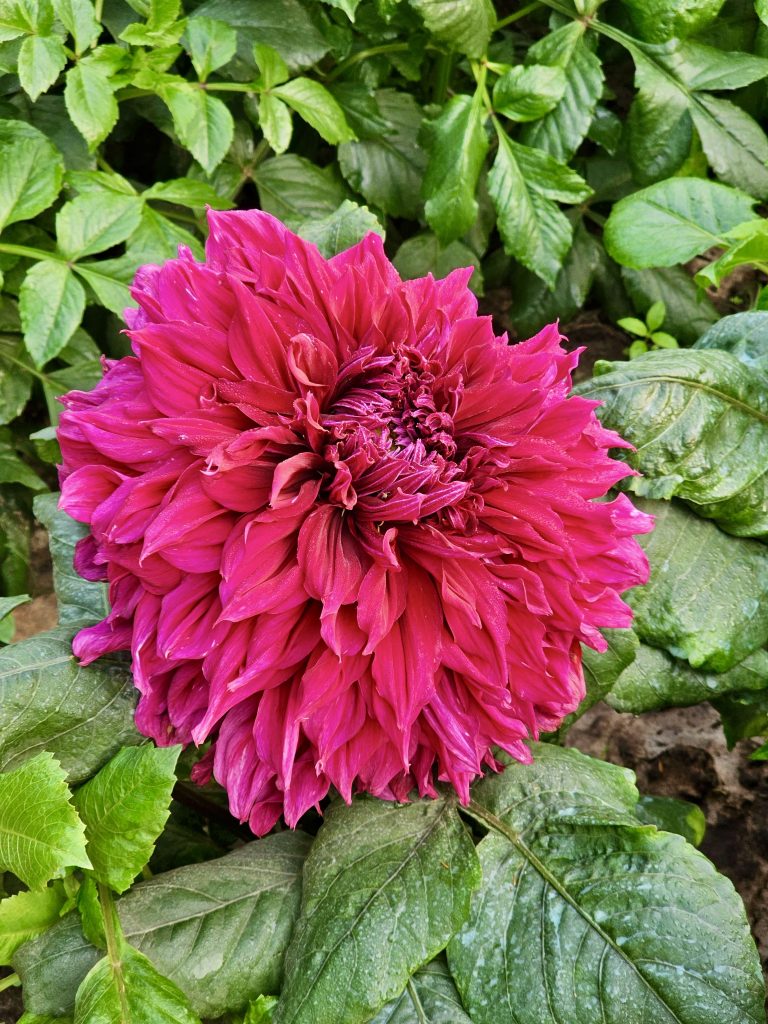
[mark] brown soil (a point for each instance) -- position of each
(682, 753)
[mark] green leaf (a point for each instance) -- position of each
(186, 192)
(51, 303)
(528, 93)
(130, 990)
(670, 815)
(210, 44)
(271, 65)
(41, 836)
(429, 998)
(275, 122)
(79, 602)
(633, 326)
(41, 59)
(296, 190)
(464, 25)
(341, 229)
(110, 279)
(15, 384)
(699, 422)
(315, 105)
(735, 145)
(79, 19)
(91, 102)
(457, 153)
(659, 123)
(742, 716)
(585, 913)
(124, 808)
(656, 315)
(672, 221)
(219, 930)
(156, 240)
(96, 221)
(533, 229)
(689, 312)
(744, 335)
(13, 470)
(378, 878)
(422, 254)
(707, 599)
(91, 914)
(562, 130)
(202, 122)
(658, 20)
(31, 172)
(388, 170)
(260, 1011)
(7, 623)
(601, 670)
(655, 680)
(25, 915)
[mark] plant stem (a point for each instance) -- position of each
(372, 51)
(443, 68)
(115, 943)
(9, 981)
(33, 254)
(510, 18)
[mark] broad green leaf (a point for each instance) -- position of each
(7, 623)
(130, 990)
(388, 170)
(186, 192)
(210, 44)
(422, 254)
(456, 156)
(156, 240)
(315, 105)
(744, 335)
(79, 601)
(586, 915)
(15, 530)
(296, 190)
(31, 172)
(671, 815)
(707, 599)
(341, 229)
(672, 221)
(49, 702)
(430, 997)
(273, 69)
(275, 122)
(51, 303)
(533, 229)
(15, 383)
(96, 221)
(41, 836)
(47, 447)
(707, 67)
(689, 312)
(562, 130)
(110, 279)
(659, 123)
(735, 145)
(202, 122)
(100, 181)
(91, 102)
(656, 680)
(219, 930)
(124, 807)
(360, 109)
(25, 915)
(79, 19)
(13, 469)
(385, 887)
(603, 669)
(658, 20)
(41, 59)
(464, 25)
(699, 424)
(743, 715)
(528, 93)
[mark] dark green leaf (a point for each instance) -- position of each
(315, 105)
(659, 123)
(15, 383)
(51, 303)
(689, 312)
(13, 470)
(41, 835)
(744, 335)
(528, 93)
(670, 815)
(341, 229)
(423, 254)
(296, 190)
(735, 145)
(379, 878)
(96, 221)
(602, 669)
(464, 25)
(31, 171)
(672, 221)
(52, 966)
(429, 998)
(699, 423)
(124, 807)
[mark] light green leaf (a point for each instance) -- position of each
(41, 58)
(341, 229)
(15, 384)
(464, 25)
(260, 1011)
(672, 221)
(707, 599)
(658, 20)
(186, 192)
(699, 423)
(586, 915)
(96, 221)
(761, 9)
(156, 240)
(633, 326)
(388, 170)
(202, 122)
(41, 836)
(210, 44)
(91, 102)
(315, 105)
(744, 335)
(430, 997)
(79, 19)
(457, 153)
(422, 254)
(130, 990)
(528, 93)
(51, 304)
(124, 808)
(296, 190)
(31, 172)
(110, 279)
(7, 623)
(670, 815)
(656, 680)
(271, 65)
(275, 122)
(25, 915)
(533, 229)
(378, 878)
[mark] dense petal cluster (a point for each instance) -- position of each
(350, 535)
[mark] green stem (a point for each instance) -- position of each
(372, 51)
(443, 68)
(510, 18)
(231, 87)
(115, 943)
(9, 982)
(33, 254)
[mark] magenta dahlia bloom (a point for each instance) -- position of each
(350, 535)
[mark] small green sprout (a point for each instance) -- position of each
(647, 333)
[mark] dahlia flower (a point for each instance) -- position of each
(351, 536)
